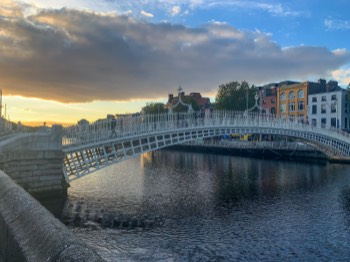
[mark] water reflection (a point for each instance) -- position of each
(178, 206)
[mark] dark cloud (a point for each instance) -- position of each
(76, 56)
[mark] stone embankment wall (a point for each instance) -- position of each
(28, 232)
(34, 161)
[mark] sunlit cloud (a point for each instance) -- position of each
(75, 56)
(144, 13)
(175, 10)
(342, 75)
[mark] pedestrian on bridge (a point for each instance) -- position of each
(113, 126)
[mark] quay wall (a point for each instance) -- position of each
(299, 154)
(28, 232)
(34, 161)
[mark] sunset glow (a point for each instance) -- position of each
(61, 61)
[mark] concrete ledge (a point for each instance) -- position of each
(28, 232)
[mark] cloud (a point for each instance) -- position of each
(275, 9)
(79, 56)
(342, 75)
(334, 24)
(144, 13)
(175, 10)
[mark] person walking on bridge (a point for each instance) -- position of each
(113, 126)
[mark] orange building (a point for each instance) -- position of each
(292, 101)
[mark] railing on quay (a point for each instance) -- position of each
(279, 145)
(9, 129)
(133, 126)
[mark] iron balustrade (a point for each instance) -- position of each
(89, 147)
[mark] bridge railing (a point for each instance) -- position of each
(134, 126)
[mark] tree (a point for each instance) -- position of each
(233, 96)
(154, 108)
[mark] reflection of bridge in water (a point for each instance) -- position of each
(91, 147)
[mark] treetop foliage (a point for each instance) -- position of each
(233, 96)
(154, 108)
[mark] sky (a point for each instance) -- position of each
(64, 60)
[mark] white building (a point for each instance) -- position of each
(330, 109)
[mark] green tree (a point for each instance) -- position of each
(154, 108)
(233, 96)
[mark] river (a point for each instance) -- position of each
(178, 206)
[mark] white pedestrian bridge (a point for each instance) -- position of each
(90, 147)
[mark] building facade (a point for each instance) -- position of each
(203, 103)
(268, 102)
(292, 101)
(330, 109)
(321, 104)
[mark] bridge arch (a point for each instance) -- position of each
(90, 148)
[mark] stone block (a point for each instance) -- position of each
(13, 204)
(54, 154)
(6, 184)
(11, 155)
(55, 172)
(3, 238)
(32, 233)
(19, 168)
(13, 250)
(57, 165)
(46, 183)
(55, 178)
(19, 174)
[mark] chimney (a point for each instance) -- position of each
(322, 82)
(170, 98)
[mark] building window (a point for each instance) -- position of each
(291, 95)
(334, 97)
(323, 122)
(333, 107)
(283, 97)
(314, 122)
(333, 122)
(273, 110)
(314, 109)
(323, 99)
(346, 123)
(291, 106)
(346, 97)
(300, 118)
(346, 107)
(301, 94)
(314, 99)
(272, 101)
(300, 105)
(323, 108)
(283, 108)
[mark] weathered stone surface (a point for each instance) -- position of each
(36, 164)
(6, 184)
(30, 233)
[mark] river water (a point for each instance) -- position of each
(179, 206)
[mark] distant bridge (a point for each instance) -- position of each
(90, 147)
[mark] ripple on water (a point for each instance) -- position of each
(195, 207)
